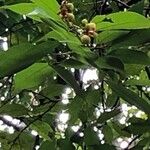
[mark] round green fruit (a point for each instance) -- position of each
(70, 17)
(85, 39)
(70, 7)
(84, 22)
(91, 26)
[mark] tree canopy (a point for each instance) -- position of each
(74, 75)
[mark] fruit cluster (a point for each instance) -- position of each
(89, 29)
(89, 32)
(66, 11)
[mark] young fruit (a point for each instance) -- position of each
(91, 26)
(85, 39)
(70, 7)
(70, 17)
(84, 22)
(92, 33)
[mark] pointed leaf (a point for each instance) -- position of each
(129, 96)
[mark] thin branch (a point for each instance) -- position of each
(133, 140)
(39, 94)
(122, 3)
(40, 116)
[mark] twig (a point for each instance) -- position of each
(121, 2)
(39, 94)
(133, 140)
(40, 116)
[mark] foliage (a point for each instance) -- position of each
(50, 47)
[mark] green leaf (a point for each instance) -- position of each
(108, 36)
(26, 141)
(93, 97)
(111, 99)
(47, 145)
(133, 38)
(142, 81)
(42, 128)
(122, 20)
(91, 137)
(22, 56)
(107, 115)
(65, 144)
(51, 90)
(49, 5)
(118, 128)
(125, 56)
(32, 77)
(110, 62)
(67, 77)
(14, 110)
(74, 108)
(136, 129)
(108, 134)
(129, 96)
(73, 63)
(103, 147)
(27, 8)
(138, 7)
(133, 69)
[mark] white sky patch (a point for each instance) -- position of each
(2, 98)
(1, 84)
(1, 122)
(72, 70)
(124, 144)
(62, 127)
(3, 127)
(9, 118)
(68, 90)
(90, 74)
(63, 117)
(11, 130)
(139, 114)
(122, 120)
(119, 140)
(5, 46)
(148, 89)
(34, 133)
(65, 99)
(75, 128)
(16, 121)
(101, 136)
(81, 134)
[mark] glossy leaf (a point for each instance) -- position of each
(122, 20)
(90, 136)
(108, 134)
(22, 56)
(129, 96)
(125, 56)
(15, 110)
(32, 77)
(110, 63)
(42, 128)
(47, 145)
(67, 77)
(107, 115)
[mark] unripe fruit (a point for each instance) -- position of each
(91, 26)
(70, 17)
(85, 39)
(70, 7)
(92, 33)
(84, 22)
